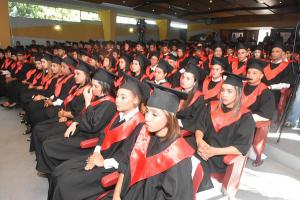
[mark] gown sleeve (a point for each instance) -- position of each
(266, 105)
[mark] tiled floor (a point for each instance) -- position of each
(19, 180)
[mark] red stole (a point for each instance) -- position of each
(221, 119)
(6, 64)
(48, 82)
(272, 73)
(212, 92)
(19, 67)
(195, 97)
(251, 98)
(239, 71)
(150, 74)
(30, 73)
(60, 82)
(37, 77)
(75, 91)
(143, 167)
(121, 132)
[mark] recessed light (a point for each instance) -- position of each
(210, 1)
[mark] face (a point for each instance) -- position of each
(97, 88)
(106, 62)
(38, 65)
(229, 51)
(159, 74)
(14, 57)
(173, 63)
(55, 68)
(154, 60)
(218, 52)
(156, 120)
(139, 47)
(126, 47)
(228, 95)
(122, 64)
(115, 55)
(75, 55)
(276, 53)
(165, 49)
(152, 47)
(84, 58)
(126, 100)
(61, 52)
(1, 55)
(257, 54)
(20, 57)
(135, 66)
(93, 62)
(216, 71)
(288, 54)
(179, 53)
(187, 81)
(255, 75)
(44, 64)
(242, 54)
(65, 70)
(80, 77)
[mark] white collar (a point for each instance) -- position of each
(153, 67)
(161, 81)
(277, 62)
(216, 80)
(129, 115)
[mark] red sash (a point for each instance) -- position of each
(48, 82)
(6, 64)
(251, 98)
(60, 82)
(212, 92)
(149, 74)
(195, 97)
(75, 91)
(37, 77)
(143, 167)
(19, 67)
(239, 71)
(221, 119)
(30, 73)
(99, 101)
(272, 73)
(121, 132)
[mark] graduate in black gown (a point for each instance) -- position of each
(225, 127)
(79, 178)
(73, 106)
(97, 113)
(138, 67)
(159, 166)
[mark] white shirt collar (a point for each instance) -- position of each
(217, 80)
(161, 81)
(129, 115)
(277, 62)
(153, 67)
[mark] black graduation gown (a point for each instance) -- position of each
(211, 86)
(91, 123)
(238, 134)
(174, 183)
(70, 181)
(264, 104)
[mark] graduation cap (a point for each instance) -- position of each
(219, 61)
(155, 53)
(95, 56)
(13, 52)
(57, 60)
(105, 76)
(258, 47)
(47, 56)
(279, 45)
(165, 98)
(194, 69)
(218, 45)
(83, 52)
(181, 46)
(256, 64)
(2, 51)
(235, 80)
(143, 61)
(141, 89)
(83, 66)
(165, 66)
(71, 62)
(173, 57)
(241, 46)
(128, 58)
(20, 51)
(194, 60)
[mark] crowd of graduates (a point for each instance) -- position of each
(131, 102)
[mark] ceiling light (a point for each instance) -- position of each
(57, 27)
(210, 1)
(130, 30)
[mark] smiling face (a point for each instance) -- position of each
(156, 121)
(159, 74)
(126, 100)
(218, 52)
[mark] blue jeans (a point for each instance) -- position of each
(295, 111)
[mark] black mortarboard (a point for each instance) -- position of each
(165, 66)
(13, 52)
(172, 57)
(241, 46)
(234, 80)
(194, 69)
(141, 89)
(258, 47)
(279, 45)
(105, 76)
(70, 61)
(95, 56)
(255, 64)
(128, 58)
(2, 51)
(194, 60)
(218, 45)
(155, 53)
(20, 51)
(61, 46)
(181, 46)
(165, 98)
(83, 66)
(143, 61)
(56, 60)
(83, 52)
(219, 61)
(47, 56)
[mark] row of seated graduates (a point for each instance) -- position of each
(191, 69)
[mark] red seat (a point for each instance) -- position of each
(90, 143)
(260, 138)
(285, 94)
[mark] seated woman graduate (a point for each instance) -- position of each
(138, 67)
(47, 103)
(212, 84)
(188, 109)
(162, 70)
(73, 106)
(79, 178)
(96, 115)
(159, 165)
(225, 127)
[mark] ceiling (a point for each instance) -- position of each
(199, 10)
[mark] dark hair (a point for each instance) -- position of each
(237, 102)
(107, 89)
(87, 78)
(172, 125)
(191, 94)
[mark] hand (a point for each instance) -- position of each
(48, 103)
(88, 94)
(61, 113)
(99, 160)
(30, 86)
(62, 119)
(201, 147)
(38, 97)
(71, 130)
(24, 82)
(116, 197)
(39, 87)
(206, 151)
(90, 161)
